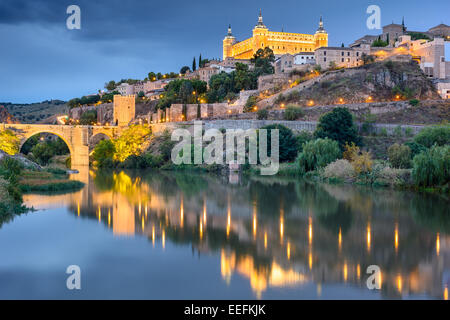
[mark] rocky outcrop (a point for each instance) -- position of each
(22, 159)
(6, 117)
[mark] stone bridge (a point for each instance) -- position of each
(77, 138)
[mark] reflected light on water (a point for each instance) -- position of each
(369, 237)
(396, 237)
(438, 244)
(340, 239)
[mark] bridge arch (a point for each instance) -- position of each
(31, 134)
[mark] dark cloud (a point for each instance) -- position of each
(41, 59)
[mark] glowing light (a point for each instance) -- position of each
(288, 250)
(164, 239)
(310, 260)
(282, 106)
(109, 217)
(204, 211)
(99, 214)
(78, 209)
(311, 102)
(281, 228)
(153, 235)
(265, 240)
(181, 213)
(358, 271)
(255, 108)
(438, 244)
(310, 231)
(368, 237)
(345, 271)
(399, 283)
(446, 293)
(201, 230)
(340, 239)
(396, 237)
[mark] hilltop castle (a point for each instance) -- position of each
(280, 42)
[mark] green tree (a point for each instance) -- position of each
(9, 142)
(439, 135)
(338, 125)
(194, 65)
(432, 167)
(287, 142)
(399, 156)
(317, 154)
(184, 69)
(88, 117)
(131, 142)
(111, 85)
(104, 152)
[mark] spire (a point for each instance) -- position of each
(229, 30)
(403, 24)
(260, 20)
(321, 28)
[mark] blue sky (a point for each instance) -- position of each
(41, 59)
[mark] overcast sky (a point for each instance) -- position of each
(41, 59)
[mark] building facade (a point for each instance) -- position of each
(124, 109)
(280, 42)
(341, 57)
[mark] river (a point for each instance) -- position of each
(178, 235)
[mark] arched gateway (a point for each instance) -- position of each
(77, 138)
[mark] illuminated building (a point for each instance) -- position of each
(280, 42)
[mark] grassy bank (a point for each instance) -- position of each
(50, 180)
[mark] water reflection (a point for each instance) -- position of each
(278, 233)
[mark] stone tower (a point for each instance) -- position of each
(124, 109)
(321, 36)
(260, 34)
(228, 44)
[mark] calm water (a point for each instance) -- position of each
(187, 236)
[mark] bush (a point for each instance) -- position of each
(415, 148)
(9, 142)
(302, 138)
(383, 132)
(103, 152)
(317, 154)
(398, 131)
(362, 163)
(429, 136)
(338, 125)
(339, 169)
(262, 114)
(414, 102)
(351, 151)
(432, 167)
(250, 104)
(288, 148)
(293, 112)
(399, 156)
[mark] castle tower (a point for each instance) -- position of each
(228, 44)
(321, 35)
(260, 34)
(124, 109)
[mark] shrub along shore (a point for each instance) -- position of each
(333, 153)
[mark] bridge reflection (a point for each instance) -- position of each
(278, 233)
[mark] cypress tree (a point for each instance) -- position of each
(194, 66)
(200, 63)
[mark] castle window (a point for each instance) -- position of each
(325, 59)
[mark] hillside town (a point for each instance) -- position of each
(146, 177)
